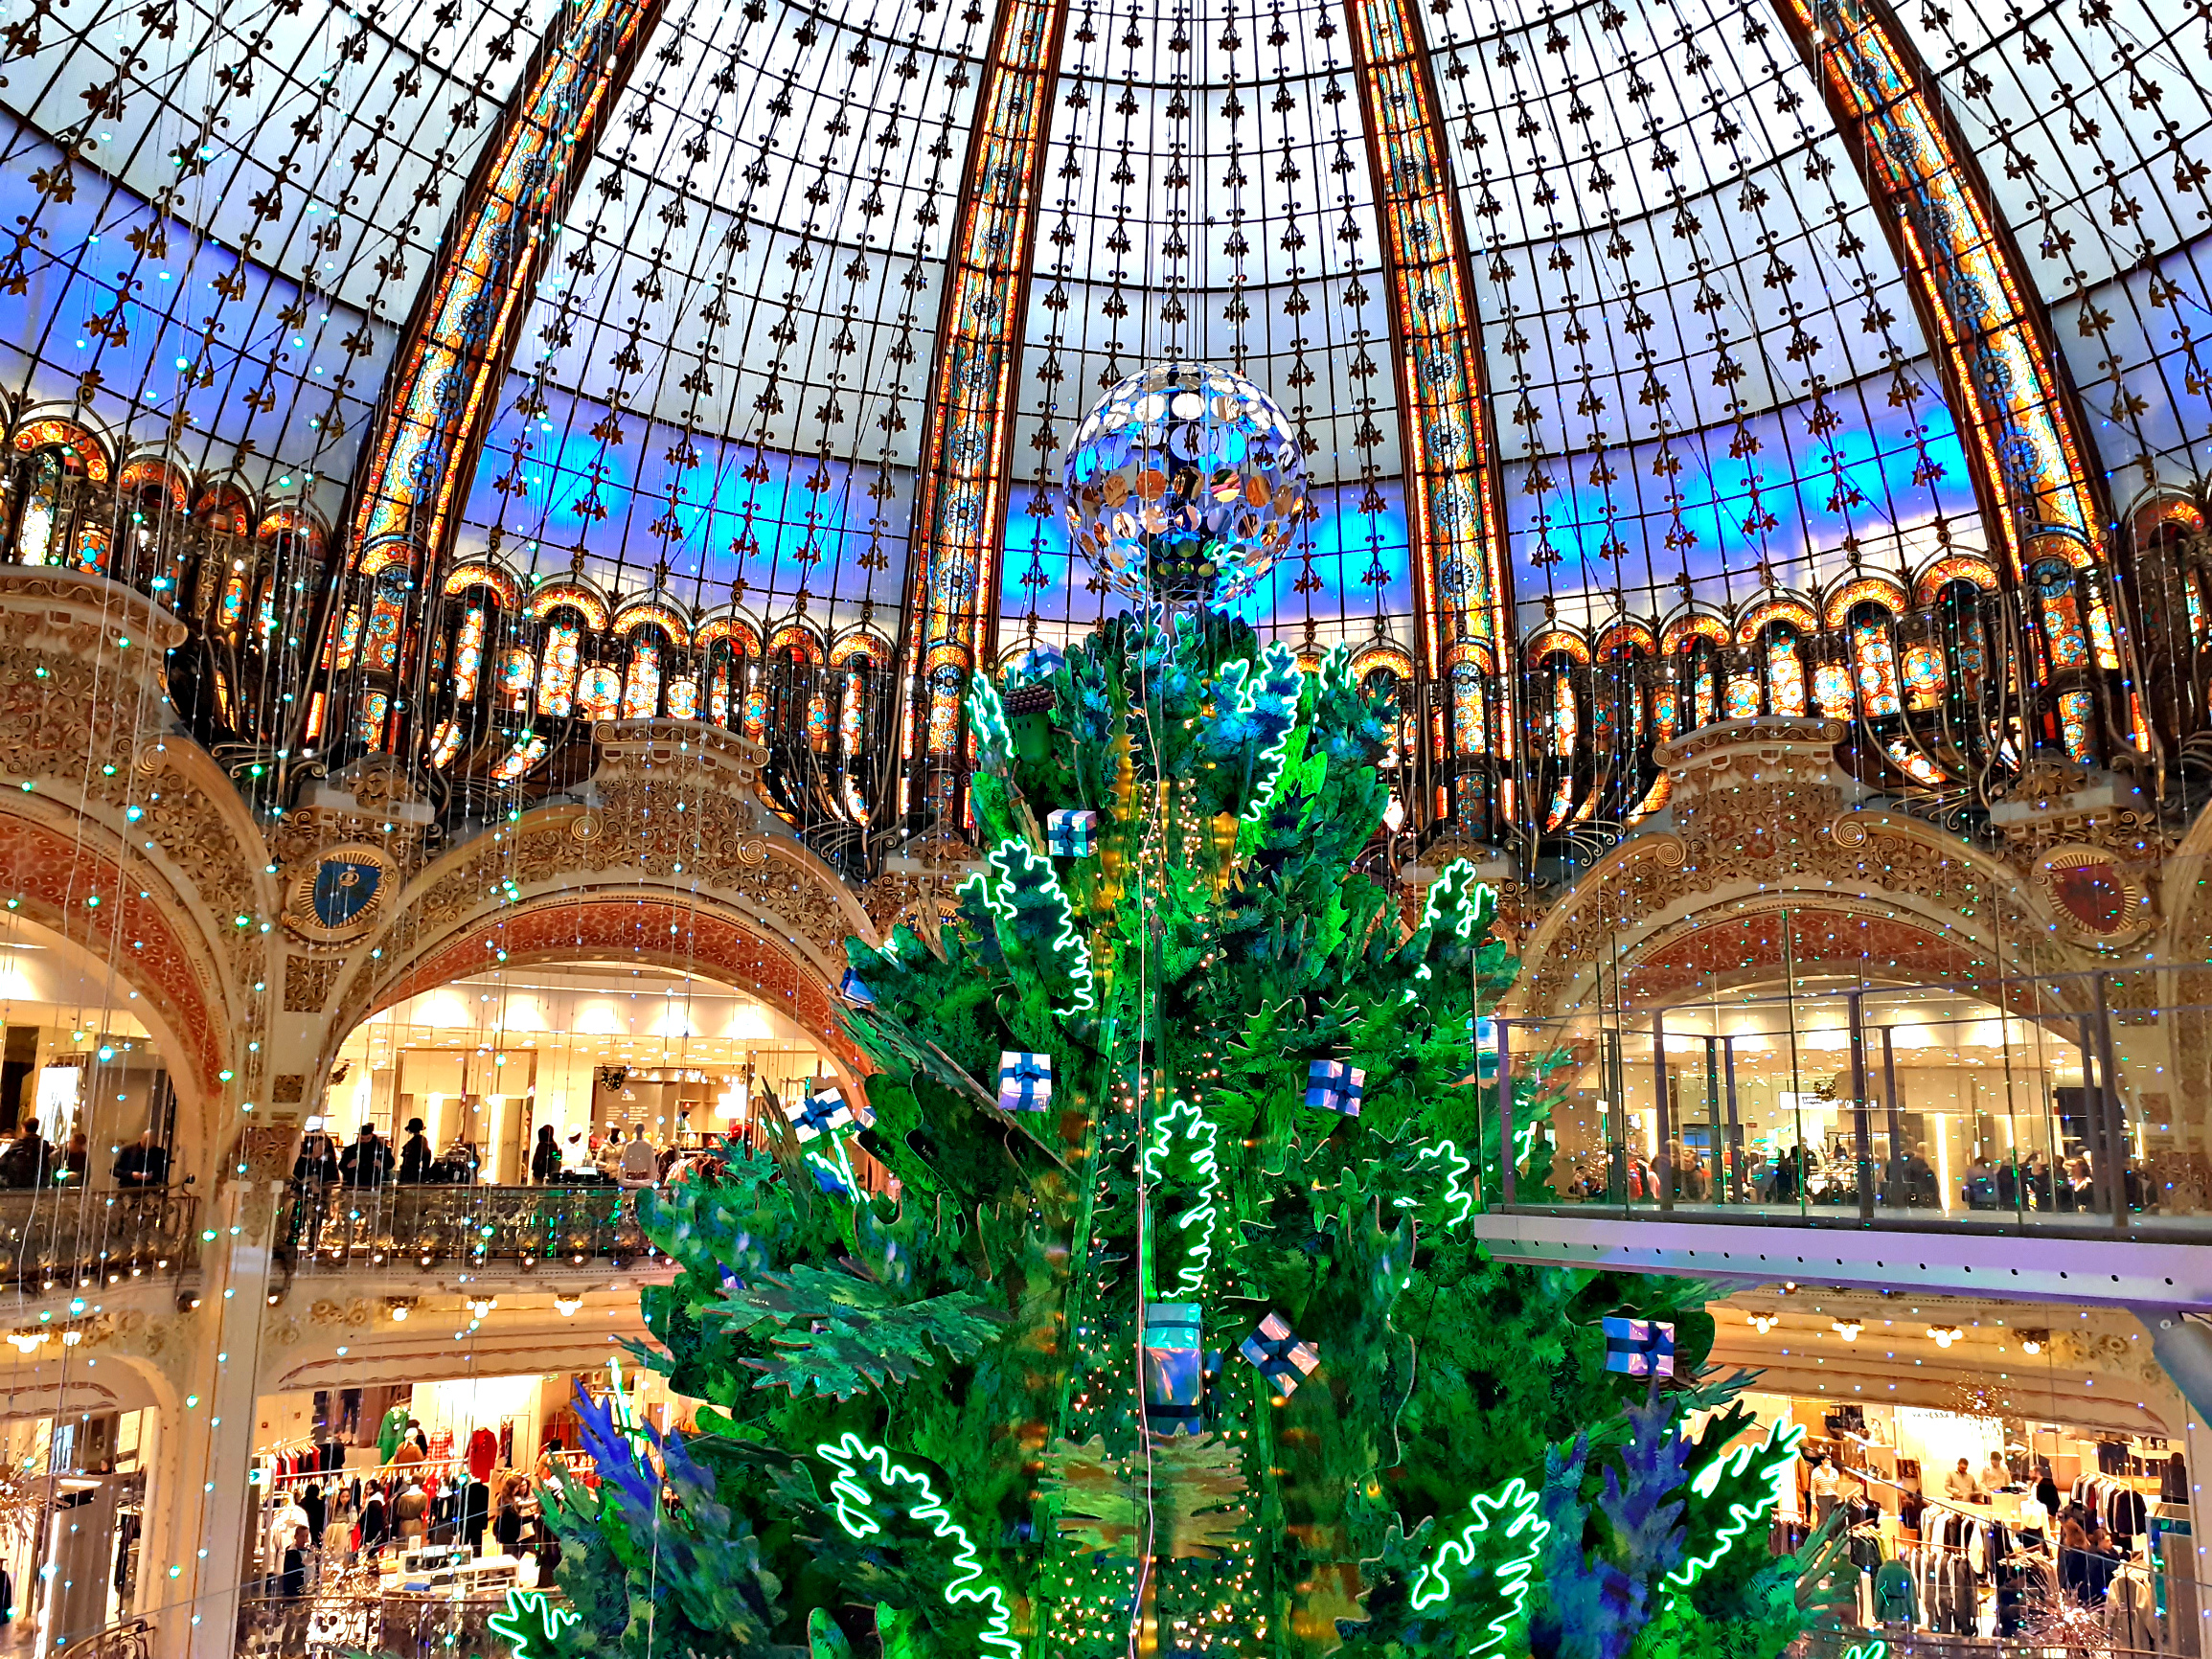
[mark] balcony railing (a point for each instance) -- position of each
(355, 1617)
(53, 1239)
(333, 1229)
(2059, 1105)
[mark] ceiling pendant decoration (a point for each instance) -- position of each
(960, 503)
(1461, 593)
(2000, 371)
(1184, 485)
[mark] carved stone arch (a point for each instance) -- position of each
(672, 821)
(1759, 817)
(149, 945)
(628, 923)
(2186, 944)
(118, 805)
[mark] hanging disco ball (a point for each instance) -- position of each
(1183, 484)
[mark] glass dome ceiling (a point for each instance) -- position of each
(1707, 369)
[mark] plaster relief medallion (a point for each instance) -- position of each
(2095, 899)
(341, 894)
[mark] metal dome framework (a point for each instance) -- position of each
(1658, 364)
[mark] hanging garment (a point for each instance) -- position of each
(1894, 1601)
(483, 1453)
(2132, 1611)
(392, 1430)
(2125, 1516)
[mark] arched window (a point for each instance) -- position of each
(1785, 670)
(860, 663)
(559, 665)
(151, 499)
(728, 648)
(2059, 609)
(798, 706)
(599, 693)
(56, 522)
(1742, 701)
(1874, 663)
(1832, 688)
(1924, 678)
(1617, 684)
(1384, 670)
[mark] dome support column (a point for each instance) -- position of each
(443, 389)
(1455, 520)
(2018, 414)
(952, 619)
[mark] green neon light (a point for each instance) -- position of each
(1068, 946)
(853, 1498)
(987, 720)
(1511, 1515)
(1779, 1450)
(1877, 1649)
(1280, 684)
(1200, 1218)
(1456, 1168)
(1458, 889)
(841, 1166)
(529, 1623)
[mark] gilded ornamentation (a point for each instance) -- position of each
(1759, 811)
(341, 894)
(960, 502)
(308, 981)
(2003, 378)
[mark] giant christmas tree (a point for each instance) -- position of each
(1174, 1342)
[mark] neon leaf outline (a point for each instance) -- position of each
(1205, 1160)
(1456, 1165)
(1458, 887)
(508, 1624)
(987, 718)
(1279, 673)
(847, 1455)
(1432, 1583)
(1780, 1447)
(1067, 945)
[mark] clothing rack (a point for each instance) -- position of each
(1971, 1515)
(579, 1461)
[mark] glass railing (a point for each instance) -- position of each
(329, 1229)
(53, 1239)
(2070, 1101)
(357, 1617)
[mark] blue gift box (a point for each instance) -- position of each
(823, 1112)
(1174, 1368)
(1071, 833)
(1024, 1081)
(1334, 1086)
(851, 989)
(1276, 1352)
(1639, 1347)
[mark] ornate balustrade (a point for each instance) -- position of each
(335, 1229)
(53, 1239)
